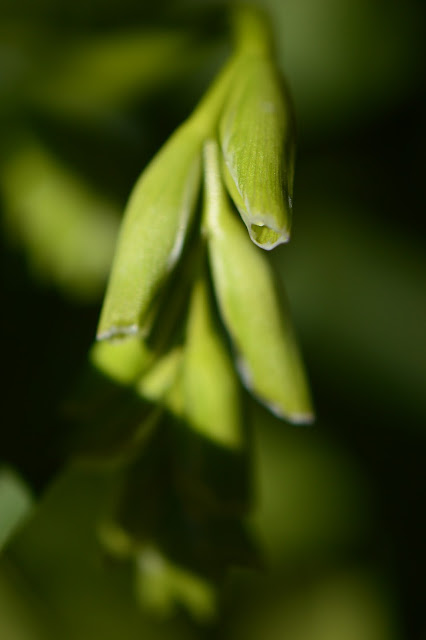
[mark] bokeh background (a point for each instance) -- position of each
(88, 93)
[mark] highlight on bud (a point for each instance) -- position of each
(153, 233)
(257, 143)
(209, 383)
(256, 318)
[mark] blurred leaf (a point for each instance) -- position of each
(91, 76)
(347, 605)
(161, 585)
(163, 503)
(22, 615)
(67, 230)
(15, 504)
(314, 501)
(65, 569)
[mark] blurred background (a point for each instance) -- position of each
(88, 93)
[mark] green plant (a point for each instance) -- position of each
(147, 477)
(191, 299)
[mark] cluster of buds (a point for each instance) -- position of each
(194, 313)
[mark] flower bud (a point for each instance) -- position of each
(210, 386)
(255, 316)
(153, 233)
(256, 138)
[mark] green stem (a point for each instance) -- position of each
(252, 32)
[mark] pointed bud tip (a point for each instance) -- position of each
(266, 237)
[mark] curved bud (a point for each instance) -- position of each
(152, 233)
(209, 384)
(256, 137)
(255, 316)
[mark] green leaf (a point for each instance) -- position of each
(15, 504)
(104, 72)
(256, 137)
(251, 307)
(67, 229)
(153, 233)
(162, 584)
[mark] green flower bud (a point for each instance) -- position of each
(16, 503)
(153, 233)
(210, 386)
(254, 314)
(158, 215)
(257, 142)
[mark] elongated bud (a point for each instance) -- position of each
(256, 137)
(256, 318)
(210, 386)
(152, 233)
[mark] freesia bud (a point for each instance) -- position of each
(256, 137)
(210, 386)
(153, 233)
(254, 314)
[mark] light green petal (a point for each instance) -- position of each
(16, 503)
(210, 386)
(256, 138)
(153, 233)
(254, 314)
